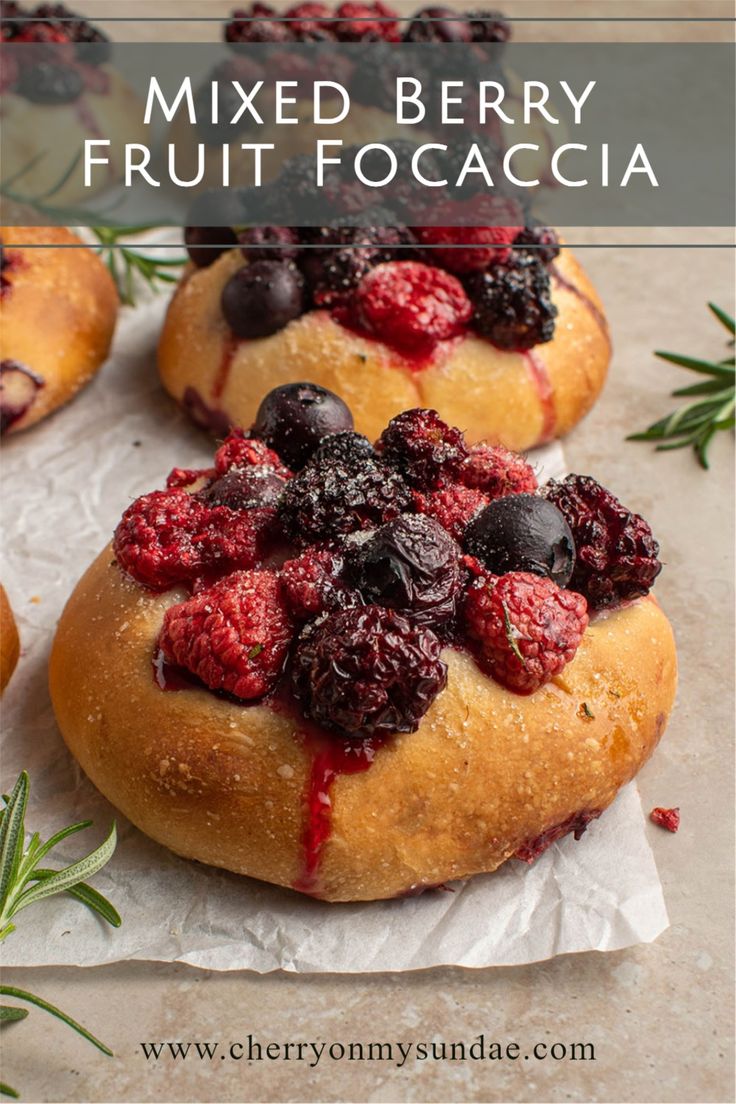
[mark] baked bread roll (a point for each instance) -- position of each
(56, 96)
(9, 640)
(390, 669)
(519, 398)
(58, 309)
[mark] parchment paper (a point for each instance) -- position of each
(65, 484)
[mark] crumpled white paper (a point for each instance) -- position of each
(65, 484)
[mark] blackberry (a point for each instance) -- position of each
(342, 488)
(206, 243)
(438, 25)
(489, 26)
(367, 671)
(617, 555)
(49, 83)
(296, 189)
(539, 241)
(512, 304)
(424, 448)
(269, 243)
(410, 564)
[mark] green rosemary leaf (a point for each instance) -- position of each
(694, 364)
(10, 1014)
(510, 635)
(129, 265)
(12, 836)
(7, 1090)
(61, 835)
(721, 315)
(695, 424)
(70, 875)
(22, 994)
(89, 897)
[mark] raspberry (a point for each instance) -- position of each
(617, 556)
(425, 449)
(234, 636)
(366, 22)
(169, 537)
(367, 671)
(498, 472)
(486, 245)
(239, 451)
(310, 22)
(155, 541)
(527, 627)
(512, 303)
(412, 565)
(313, 583)
(412, 306)
(666, 818)
(540, 241)
(185, 477)
(453, 506)
(341, 489)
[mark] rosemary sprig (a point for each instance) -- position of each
(23, 882)
(129, 266)
(696, 423)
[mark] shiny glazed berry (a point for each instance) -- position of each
(245, 488)
(262, 298)
(520, 533)
(294, 418)
(410, 564)
(367, 671)
(426, 450)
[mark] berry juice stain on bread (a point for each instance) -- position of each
(360, 669)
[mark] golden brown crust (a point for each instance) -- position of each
(491, 394)
(9, 640)
(487, 770)
(58, 314)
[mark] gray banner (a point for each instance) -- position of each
(584, 134)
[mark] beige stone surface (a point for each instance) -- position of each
(660, 1016)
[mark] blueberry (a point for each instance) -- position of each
(245, 488)
(261, 298)
(521, 533)
(206, 243)
(294, 418)
(412, 565)
(49, 83)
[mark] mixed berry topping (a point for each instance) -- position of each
(527, 628)
(326, 568)
(66, 68)
(411, 287)
(617, 556)
(367, 671)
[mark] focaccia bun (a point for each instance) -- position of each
(58, 312)
(9, 640)
(487, 773)
(511, 398)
